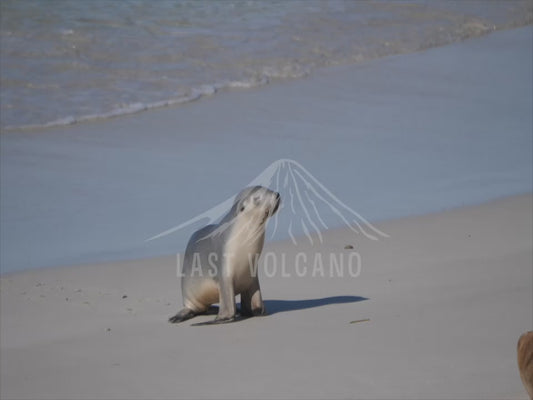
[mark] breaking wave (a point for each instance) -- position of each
(63, 63)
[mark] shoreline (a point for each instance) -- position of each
(435, 313)
(332, 230)
(205, 91)
(402, 135)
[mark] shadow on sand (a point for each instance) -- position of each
(277, 306)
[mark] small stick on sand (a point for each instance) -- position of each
(359, 320)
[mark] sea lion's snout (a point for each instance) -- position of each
(271, 204)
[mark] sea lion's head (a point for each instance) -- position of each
(257, 203)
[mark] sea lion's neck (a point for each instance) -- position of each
(248, 230)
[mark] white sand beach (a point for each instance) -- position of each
(443, 301)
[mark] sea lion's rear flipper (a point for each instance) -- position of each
(183, 315)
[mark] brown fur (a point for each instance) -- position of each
(525, 361)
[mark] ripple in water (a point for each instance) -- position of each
(64, 62)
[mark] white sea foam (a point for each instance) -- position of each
(90, 60)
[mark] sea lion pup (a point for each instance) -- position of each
(525, 361)
(221, 259)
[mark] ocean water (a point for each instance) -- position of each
(64, 62)
(403, 135)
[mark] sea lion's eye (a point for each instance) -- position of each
(242, 208)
